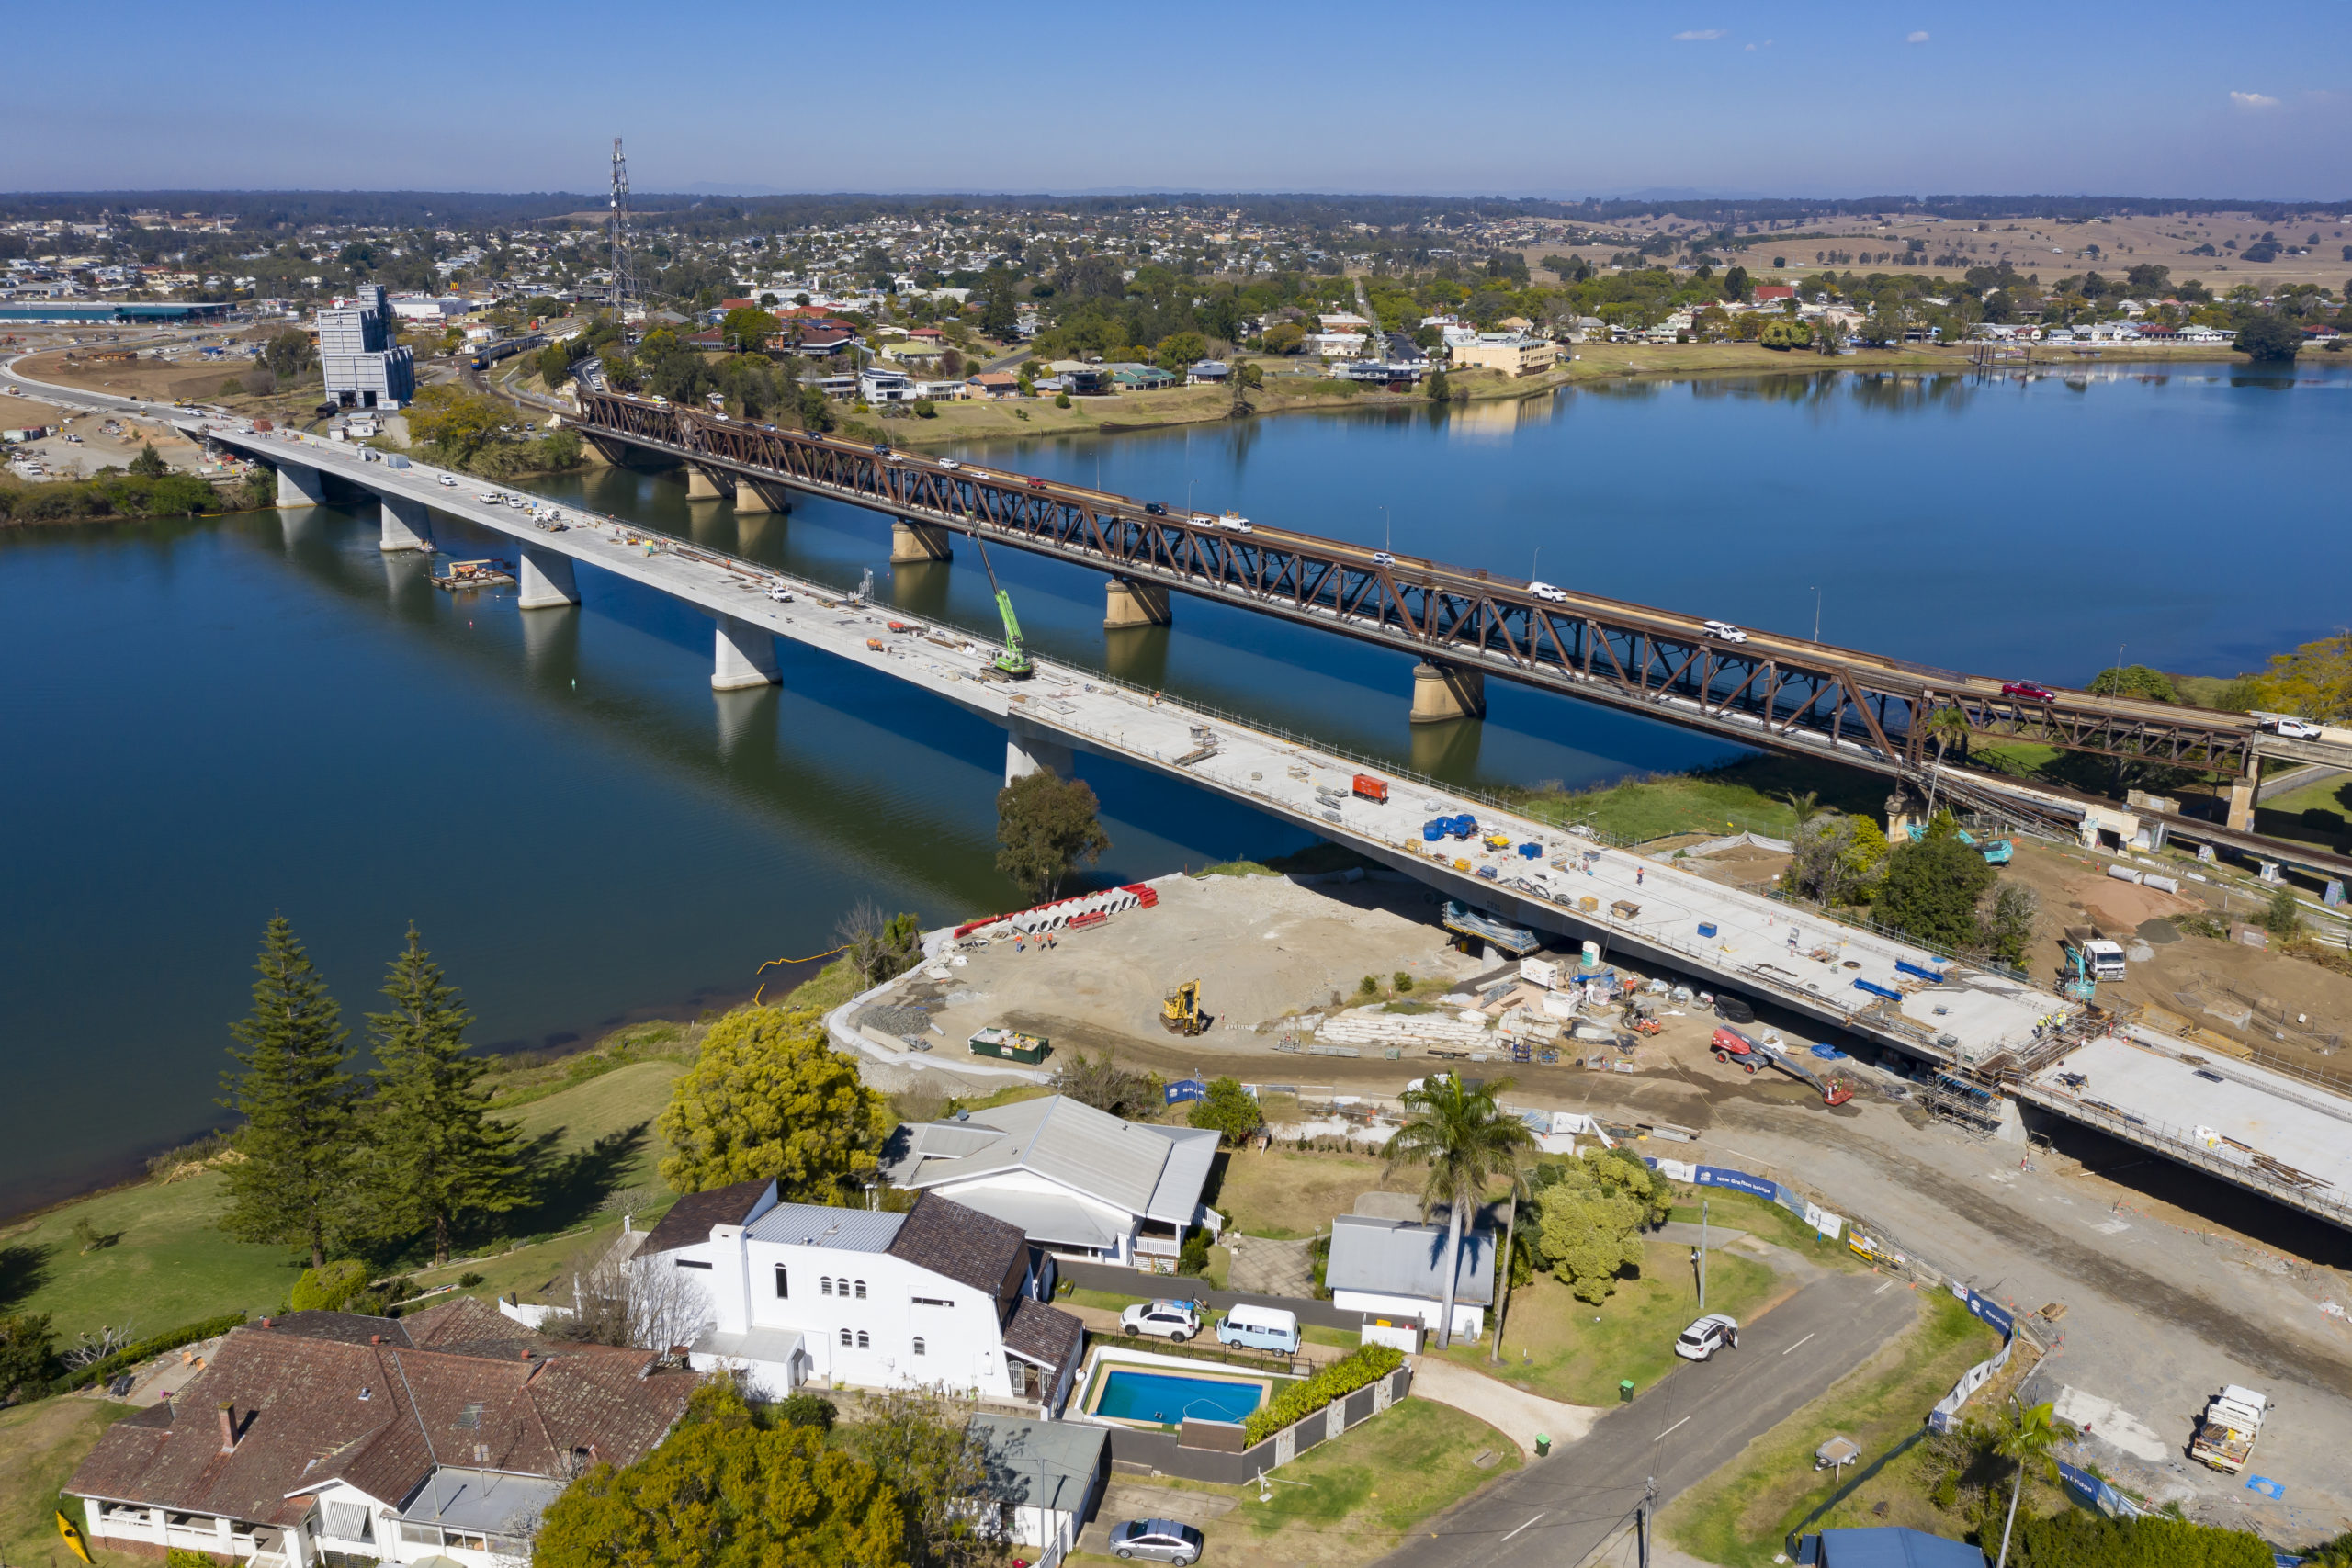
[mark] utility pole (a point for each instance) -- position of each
(1642, 1520)
(1703, 1255)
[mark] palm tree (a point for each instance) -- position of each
(1510, 1233)
(1806, 804)
(1455, 1127)
(1945, 726)
(2027, 1436)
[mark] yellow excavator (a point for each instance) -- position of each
(1180, 1013)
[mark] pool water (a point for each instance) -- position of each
(1166, 1398)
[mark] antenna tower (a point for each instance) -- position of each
(624, 287)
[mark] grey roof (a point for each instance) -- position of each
(1041, 1464)
(1046, 1217)
(776, 1346)
(483, 1500)
(1405, 1257)
(844, 1230)
(1154, 1171)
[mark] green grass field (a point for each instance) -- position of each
(2319, 814)
(1748, 796)
(40, 1445)
(1363, 1490)
(1739, 1517)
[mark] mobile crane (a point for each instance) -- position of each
(1014, 662)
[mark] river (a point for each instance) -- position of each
(207, 721)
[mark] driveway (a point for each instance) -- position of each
(1266, 1267)
(1519, 1416)
(1557, 1511)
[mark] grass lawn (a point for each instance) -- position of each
(1284, 1194)
(1738, 1516)
(40, 1445)
(1747, 795)
(2318, 813)
(1566, 1349)
(1766, 1221)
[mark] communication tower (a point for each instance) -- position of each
(623, 293)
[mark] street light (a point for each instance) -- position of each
(1817, 613)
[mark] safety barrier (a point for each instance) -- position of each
(1085, 909)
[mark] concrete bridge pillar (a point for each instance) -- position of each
(594, 452)
(2241, 797)
(703, 485)
(752, 496)
(407, 525)
(1442, 692)
(912, 543)
(1131, 603)
(546, 579)
(1026, 752)
(298, 484)
(746, 656)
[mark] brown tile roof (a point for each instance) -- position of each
(690, 1219)
(1047, 1336)
(967, 1246)
(311, 1407)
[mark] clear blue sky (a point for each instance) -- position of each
(1513, 96)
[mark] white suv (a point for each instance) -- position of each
(1170, 1320)
(1704, 1339)
(1723, 631)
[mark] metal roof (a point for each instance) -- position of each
(1894, 1546)
(1042, 1216)
(812, 1224)
(1405, 1257)
(1041, 1464)
(482, 1500)
(776, 1346)
(1153, 1171)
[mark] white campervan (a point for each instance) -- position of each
(1261, 1328)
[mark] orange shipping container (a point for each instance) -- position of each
(1372, 788)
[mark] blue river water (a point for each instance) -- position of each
(207, 721)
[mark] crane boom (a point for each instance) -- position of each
(1014, 661)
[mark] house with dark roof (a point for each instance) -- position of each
(443, 1435)
(941, 1296)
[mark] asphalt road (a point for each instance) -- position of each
(1556, 1510)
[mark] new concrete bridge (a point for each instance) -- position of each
(1994, 1030)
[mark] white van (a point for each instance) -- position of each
(1261, 1328)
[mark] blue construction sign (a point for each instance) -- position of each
(1187, 1089)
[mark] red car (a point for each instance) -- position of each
(1036, 484)
(2029, 691)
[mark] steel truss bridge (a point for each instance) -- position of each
(1811, 698)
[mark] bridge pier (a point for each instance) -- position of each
(546, 579)
(2243, 792)
(746, 656)
(594, 452)
(407, 525)
(1442, 692)
(1128, 602)
(703, 485)
(1026, 752)
(298, 484)
(757, 496)
(912, 543)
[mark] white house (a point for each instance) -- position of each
(1079, 1182)
(1042, 1481)
(438, 1438)
(1392, 1269)
(940, 1296)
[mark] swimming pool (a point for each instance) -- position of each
(1168, 1399)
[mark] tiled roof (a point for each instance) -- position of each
(1047, 1336)
(310, 1408)
(965, 1244)
(690, 1219)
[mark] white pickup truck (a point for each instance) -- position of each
(2226, 1432)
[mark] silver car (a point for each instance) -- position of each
(1162, 1541)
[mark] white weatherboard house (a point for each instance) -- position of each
(1079, 1182)
(1041, 1481)
(941, 1296)
(1392, 1269)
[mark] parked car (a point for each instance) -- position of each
(1161, 1540)
(1170, 1320)
(1723, 631)
(1704, 1339)
(779, 593)
(2029, 691)
(1261, 1328)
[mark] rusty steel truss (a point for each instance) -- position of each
(1786, 694)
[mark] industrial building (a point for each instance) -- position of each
(364, 368)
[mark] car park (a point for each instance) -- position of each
(1170, 1320)
(1723, 631)
(1160, 1540)
(2031, 691)
(1714, 1332)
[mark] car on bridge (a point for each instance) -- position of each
(1723, 631)
(1156, 508)
(1546, 592)
(950, 464)
(1382, 558)
(2031, 691)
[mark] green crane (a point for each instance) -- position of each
(1014, 662)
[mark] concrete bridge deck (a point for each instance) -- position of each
(1716, 935)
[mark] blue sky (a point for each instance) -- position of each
(1514, 96)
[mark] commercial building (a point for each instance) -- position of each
(94, 312)
(1511, 353)
(364, 368)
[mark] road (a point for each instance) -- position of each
(1556, 1511)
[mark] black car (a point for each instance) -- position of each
(1155, 508)
(882, 446)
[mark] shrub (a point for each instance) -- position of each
(156, 1344)
(2076, 1539)
(1403, 981)
(26, 1346)
(925, 409)
(181, 1557)
(1369, 985)
(328, 1288)
(1194, 1258)
(807, 1410)
(1338, 1381)
(468, 1279)
(1061, 400)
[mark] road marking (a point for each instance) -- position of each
(1883, 1288)
(1521, 1528)
(1794, 1346)
(1661, 1437)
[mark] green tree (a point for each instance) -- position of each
(723, 1492)
(1784, 333)
(288, 353)
(2010, 929)
(767, 1097)
(1946, 727)
(1230, 1109)
(299, 1104)
(928, 1452)
(747, 330)
(1589, 1214)
(1437, 387)
(555, 364)
(435, 1154)
(2315, 680)
(1932, 887)
(328, 1288)
(26, 1348)
(1101, 1082)
(999, 301)
(1455, 1128)
(2134, 681)
(2270, 340)
(1179, 352)
(150, 464)
(2282, 917)
(2025, 1436)
(1044, 827)
(458, 423)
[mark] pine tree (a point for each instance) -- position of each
(435, 1152)
(297, 1102)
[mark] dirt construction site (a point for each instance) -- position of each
(2161, 1283)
